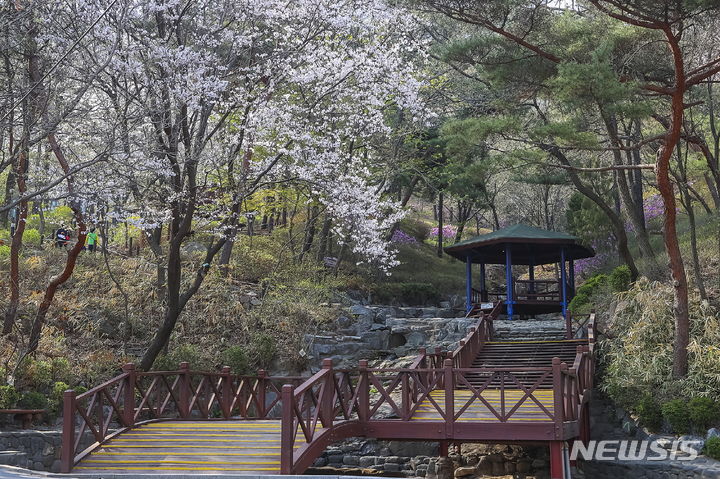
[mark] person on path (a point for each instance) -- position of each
(61, 237)
(92, 239)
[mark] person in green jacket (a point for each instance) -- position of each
(92, 239)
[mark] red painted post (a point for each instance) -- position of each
(261, 392)
(449, 385)
(326, 402)
(129, 395)
(444, 448)
(405, 395)
(568, 326)
(558, 397)
(557, 466)
(227, 394)
(287, 431)
(185, 390)
(67, 451)
(363, 392)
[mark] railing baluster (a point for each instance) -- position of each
(67, 452)
(287, 432)
(185, 390)
(129, 395)
(363, 392)
(557, 397)
(326, 401)
(449, 385)
(261, 392)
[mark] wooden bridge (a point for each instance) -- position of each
(191, 421)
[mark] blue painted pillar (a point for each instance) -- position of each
(563, 283)
(571, 278)
(468, 283)
(509, 281)
(483, 289)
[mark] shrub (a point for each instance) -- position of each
(677, 414)
(237, 358)
(712, 448)
(4, 251)
(583, 295)
(184, 353)
(703, 412)
(31, 237)
(640, 354)
(56, 396)
(8, 397)
(32, 400)
(650, 413)
(409, 293)
(36, 374)
(263, 346)
(619, 279)
(61, 370)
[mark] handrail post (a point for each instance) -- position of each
(185, 390)
(227, 395)
(363, 392)
(568, 326)
(67, 451)
(558, 397)
(129, 395)
(287, 431)
(326, 402)
(449, 385)
(261, 392)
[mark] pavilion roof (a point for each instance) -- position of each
(529, 245)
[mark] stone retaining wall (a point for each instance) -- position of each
(38, 450)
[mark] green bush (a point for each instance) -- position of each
(677, 414)
(408, 293)
(4, 251)
(703, 412)
(712, 448)
(36, 374)
(263, 346)
(650, 413)
(31, 237)
(8, 397)
(184, 353)
(32, 400)
(619, 279)
(584, 294)
(56, 397)
(59, 215)
(237, 358)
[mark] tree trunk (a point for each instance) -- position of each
(633, 210)
(613, 216)
(324, 237)
(21, 169)
(309, 231)
(440, 224)
(670, 237)
(56, 281)
(403, 202)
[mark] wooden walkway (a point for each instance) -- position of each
(194, 422)
(251, 447)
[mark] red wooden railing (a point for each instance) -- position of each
(132, 398)
(335, 404)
